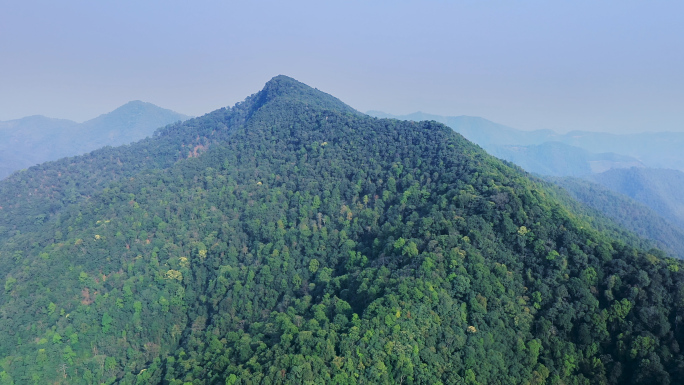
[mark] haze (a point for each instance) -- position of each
(612, 66)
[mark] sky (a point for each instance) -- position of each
(610, 66)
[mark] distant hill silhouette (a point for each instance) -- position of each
(560, 159)
(36, 139)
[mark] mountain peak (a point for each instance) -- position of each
(138, 104)
(139, 107)
(283, 87)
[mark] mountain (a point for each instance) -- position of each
(652, 149)
(658, 189)
(559, 159)
(28, 141)
(292, 240)
(25, 142)
(625, 179)
(129, 123)
(542, 151)
(479, 130)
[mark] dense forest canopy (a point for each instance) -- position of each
(588, 155)
(292, 240)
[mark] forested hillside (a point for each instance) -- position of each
(292, 240)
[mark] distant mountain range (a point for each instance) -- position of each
(560, 159)
(590, 151)
(36, 139)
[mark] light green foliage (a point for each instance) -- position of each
(399, 243)
(410, 250)
(9, 283)
(313, 266)
(553, 254)
(106, 322)
(589, 276)
(5, 378)
(201, 250)
(620, 309)
(297, 281)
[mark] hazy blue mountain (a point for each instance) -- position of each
(32, 128)
(129, 123)
(657, 150)
(659, 189)
(483, 132)
(542, 151)
(22, 141)
(36, 139)
(560, 159)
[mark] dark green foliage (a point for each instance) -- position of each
(309, 244)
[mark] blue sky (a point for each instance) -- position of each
(614, 66)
